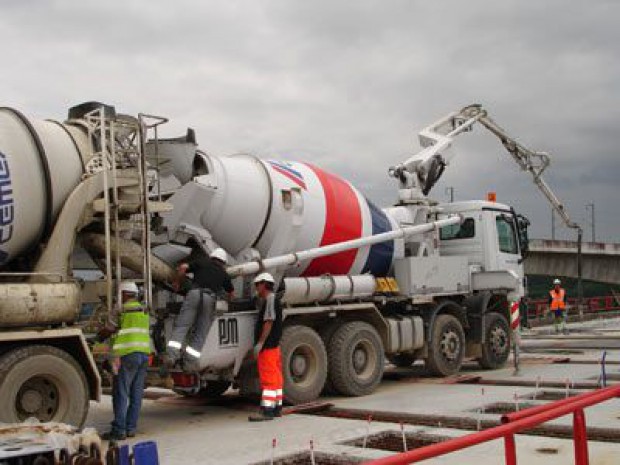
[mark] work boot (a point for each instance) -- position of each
(262, 415)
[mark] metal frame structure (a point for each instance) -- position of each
(121, 147)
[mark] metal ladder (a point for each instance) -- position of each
(118, 148)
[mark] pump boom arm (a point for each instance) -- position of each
(419, 173)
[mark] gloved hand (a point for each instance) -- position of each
(104, 333)
(257, 348)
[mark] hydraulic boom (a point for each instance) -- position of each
(419, 173)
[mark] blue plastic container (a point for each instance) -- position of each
(145, 453)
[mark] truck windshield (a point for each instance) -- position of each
(506, 235)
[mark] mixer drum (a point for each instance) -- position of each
(40, 165)
(245, 202)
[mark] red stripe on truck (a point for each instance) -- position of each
(343, 222)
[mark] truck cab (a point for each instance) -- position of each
(493, 238)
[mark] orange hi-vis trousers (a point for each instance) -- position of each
(271, 380)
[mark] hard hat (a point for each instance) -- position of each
(219, 254)
(264, 278)
(130, 287)
(557, 281)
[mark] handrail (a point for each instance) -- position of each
(525, 421)
(510, 417)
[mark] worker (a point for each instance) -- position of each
(198, 310)
(266, 351)
(130, 347)
(557, 304)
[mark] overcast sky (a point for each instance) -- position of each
(346, 84)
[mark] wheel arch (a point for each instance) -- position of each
(71, 342)
(480, 305)
(339, 315)
(445, 307)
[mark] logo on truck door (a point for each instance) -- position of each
(228, 332)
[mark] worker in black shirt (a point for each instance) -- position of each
(198, 310)
(267, 335)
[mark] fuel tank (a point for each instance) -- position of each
(278, 207)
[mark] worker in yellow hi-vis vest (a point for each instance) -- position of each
(131, 346)
(557, 304)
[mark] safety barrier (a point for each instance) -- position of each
(513, 424)
(537, 309)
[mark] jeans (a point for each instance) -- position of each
(127, 391)
(197, 313)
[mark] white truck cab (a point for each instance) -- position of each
(494, 240)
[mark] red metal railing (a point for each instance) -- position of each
(539, 307)
(515, 423)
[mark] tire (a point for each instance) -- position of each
(326, 333)
(43, 382)
(356, 359)
(447, 347)
(404, 360)
(496, 348)
(304, 364)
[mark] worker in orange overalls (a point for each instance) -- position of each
(267, 335)
(557, 304)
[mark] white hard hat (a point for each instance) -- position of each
(264, 278)
(219, 254)
(557, 281)
(130, 287)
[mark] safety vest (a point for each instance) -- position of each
(557, 299)
(133, 335)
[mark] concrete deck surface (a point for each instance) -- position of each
(198, 432)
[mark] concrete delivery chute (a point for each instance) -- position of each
(417, 280)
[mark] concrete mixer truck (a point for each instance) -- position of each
(417, 281)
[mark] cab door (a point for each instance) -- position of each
(508, 253)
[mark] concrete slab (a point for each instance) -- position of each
(197, 432)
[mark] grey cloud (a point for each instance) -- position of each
(346, 85)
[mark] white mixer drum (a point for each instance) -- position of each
(39, 166)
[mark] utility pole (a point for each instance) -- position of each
(450, 191)
(590, 206)
(552, 224)
(580, 273)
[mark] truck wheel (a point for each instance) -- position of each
(356, 359)
(496, 348)
(403, 360)
(327, 332)
(447, 347)
(304, 364)
(43, 382)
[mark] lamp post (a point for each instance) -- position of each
(450, 191)
(590, 206)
